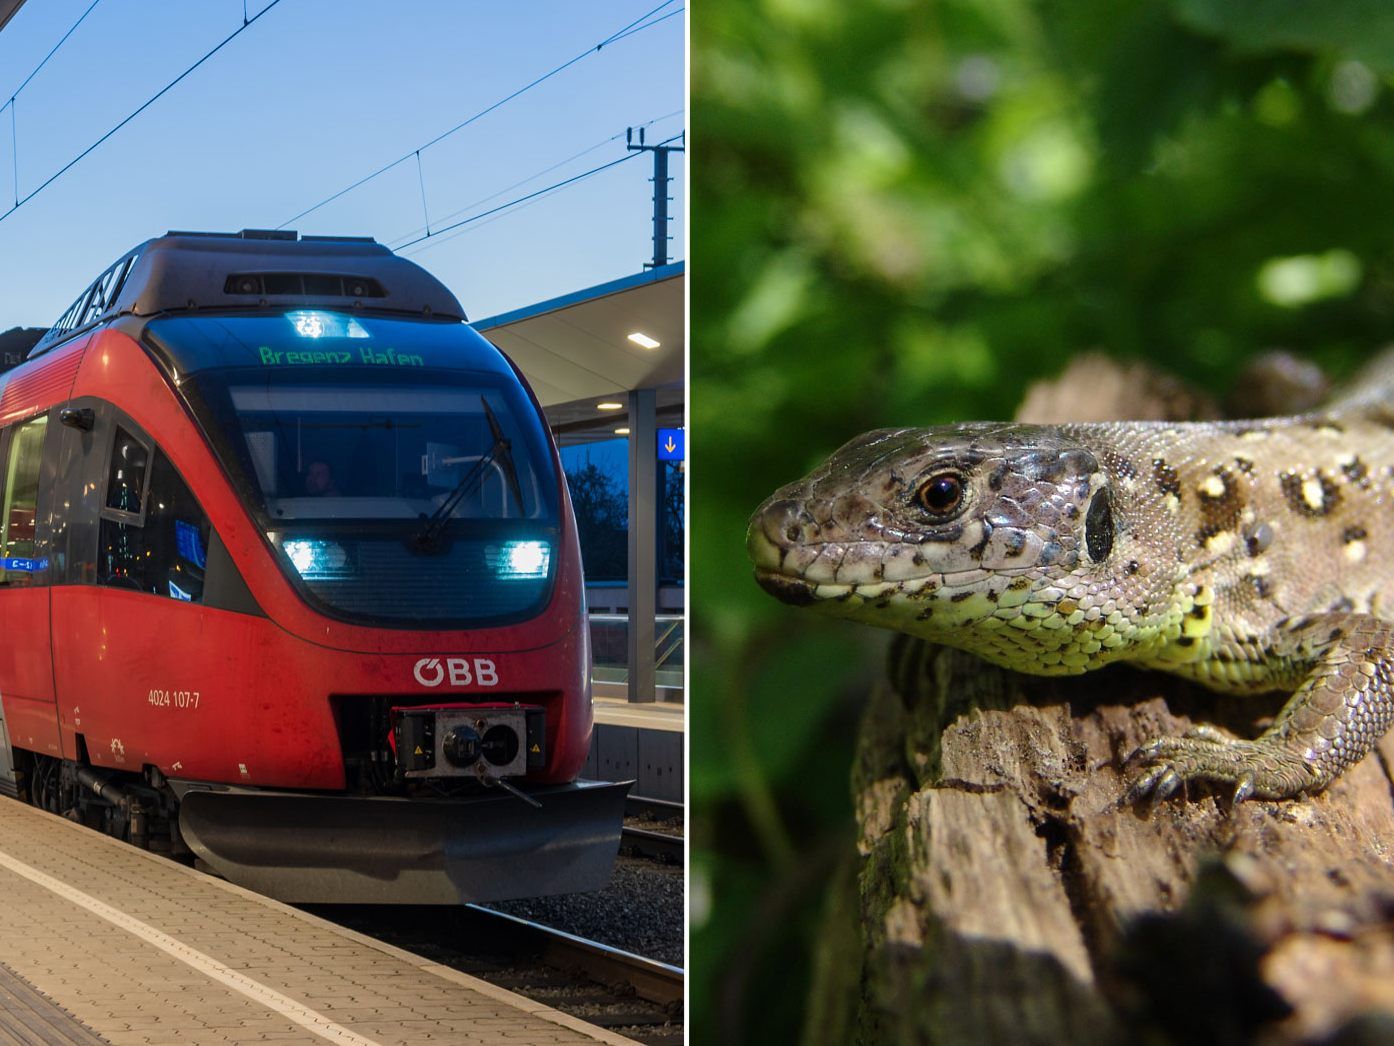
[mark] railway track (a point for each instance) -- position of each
(658, 846)
(654, 810)
(655, 982)
(608, 987)
(653, 829)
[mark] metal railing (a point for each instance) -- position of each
(610, 649)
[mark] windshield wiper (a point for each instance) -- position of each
(427, 539)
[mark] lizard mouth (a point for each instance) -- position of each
(792, 590)
(770, 574)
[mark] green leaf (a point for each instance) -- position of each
(1362, 29)
(797, 685)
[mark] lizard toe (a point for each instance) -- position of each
(1167, 783)
(1206, 732)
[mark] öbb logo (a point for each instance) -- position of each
(459, 671)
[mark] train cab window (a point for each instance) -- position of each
(164, 550)
(17, 528)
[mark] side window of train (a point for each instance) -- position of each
(18, 564)
(126, 483)
(154, 535)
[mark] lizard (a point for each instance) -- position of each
(1249, 556)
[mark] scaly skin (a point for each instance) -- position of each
(1249, 556)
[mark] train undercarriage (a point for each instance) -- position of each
(481, 844)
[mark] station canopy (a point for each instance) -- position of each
(8, 9)
(576, 350)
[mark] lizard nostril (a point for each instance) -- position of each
(785, 522)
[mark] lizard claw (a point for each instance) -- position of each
(1158, 783)
(1261, 768)
(1244, 789)
(1149, 751)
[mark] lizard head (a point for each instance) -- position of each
(1000, 539)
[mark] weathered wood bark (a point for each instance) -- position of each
(1001, 893)
(1004, 893)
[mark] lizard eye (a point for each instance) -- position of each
(941, 494)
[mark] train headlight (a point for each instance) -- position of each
(520, 560)
(316, 323)
(315, 560)
(308, 324)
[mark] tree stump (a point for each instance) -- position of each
(1002, 893)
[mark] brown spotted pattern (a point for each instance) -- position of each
(1311, 493)
(1222, 497)
(1165, 477)
(1357, 472)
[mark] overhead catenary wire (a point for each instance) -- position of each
(14, 95)
(421, 178)
(530, 178)
(479, 221)
(513, 203)
(634, 27)
(638, 25)
(532, 195)
(484, 222)
(52, 51)
(437, 241)
(20, 201)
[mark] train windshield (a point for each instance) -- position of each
(325, 452)
(400, 494)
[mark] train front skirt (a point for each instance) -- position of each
(332, 849)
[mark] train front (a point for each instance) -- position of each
(412, 544)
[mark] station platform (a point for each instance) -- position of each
(667, 716)
(102, 942)
(642, 743)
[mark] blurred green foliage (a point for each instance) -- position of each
(904, 212)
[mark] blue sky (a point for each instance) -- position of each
(315, 95)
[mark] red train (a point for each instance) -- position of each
(290, 581)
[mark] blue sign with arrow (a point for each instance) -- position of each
(670, 445)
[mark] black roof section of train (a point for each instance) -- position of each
(254, 269)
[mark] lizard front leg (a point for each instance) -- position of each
(1340, 710)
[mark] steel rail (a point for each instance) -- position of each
(654, 809)
(658, 982)
(659, 845)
